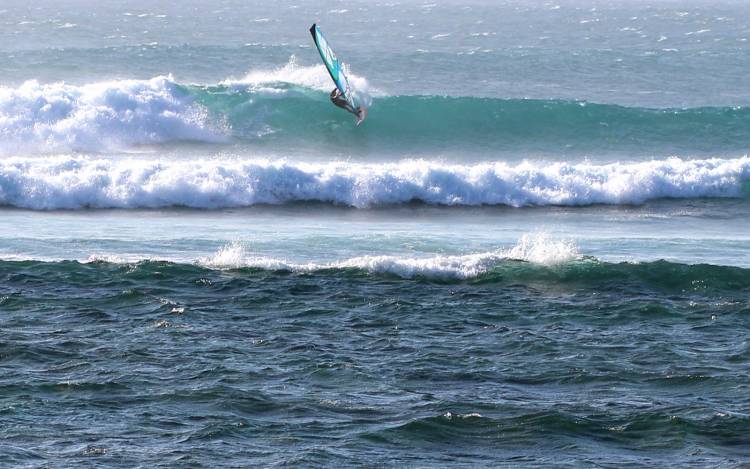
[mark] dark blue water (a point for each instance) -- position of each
(160, 364)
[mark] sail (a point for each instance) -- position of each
(335, 68)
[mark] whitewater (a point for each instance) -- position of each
(75, 182)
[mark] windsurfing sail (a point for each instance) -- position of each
(335, 68)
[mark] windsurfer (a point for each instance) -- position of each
(338, 99)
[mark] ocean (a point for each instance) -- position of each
(535, 251)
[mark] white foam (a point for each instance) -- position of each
(99, 116)
(313, 77)
(73, 182)
(109, 258)
(537, 249)
(39, 118)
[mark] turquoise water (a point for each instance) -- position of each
(534, 251)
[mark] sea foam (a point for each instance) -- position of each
(99, 116)
(314, 77)
(536, 248)
(74, 182)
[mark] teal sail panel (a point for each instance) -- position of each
(335, 68)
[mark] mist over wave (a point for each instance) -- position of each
(313, 77)
(75, 182)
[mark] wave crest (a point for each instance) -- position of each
(289, 101)
(107, 115)
(288, 107)
(74, 182)
(538, 249)
(292, 73)
(731, 284)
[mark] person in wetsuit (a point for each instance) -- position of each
(338, 99)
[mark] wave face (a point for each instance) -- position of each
(561, 268)
(75, 182)
(534, 259)
(290, 106)
(427, 122)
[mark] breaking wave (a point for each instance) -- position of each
(77, 182)
(549, 264)
(538, 249)
(288, 107)
(40, 118)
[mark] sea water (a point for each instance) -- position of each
(535, 249)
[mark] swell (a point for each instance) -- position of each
(534, 261)
(77, 182)
(478, 269)
(427, 122)
(290, 106)
(657, 425)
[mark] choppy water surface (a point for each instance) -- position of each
(175, 364)
(534, 251)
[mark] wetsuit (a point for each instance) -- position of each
(338, 99)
